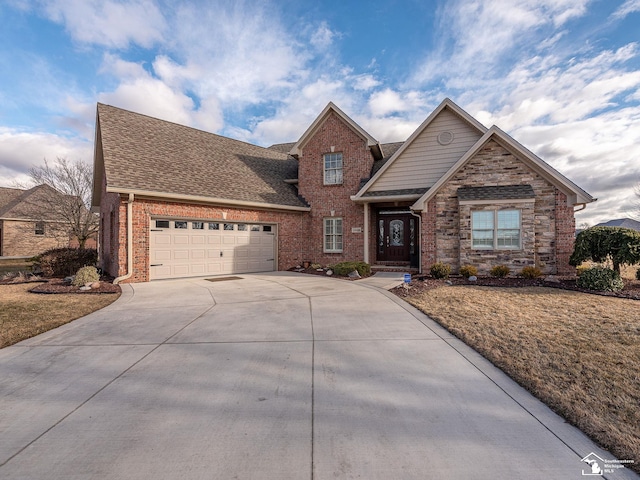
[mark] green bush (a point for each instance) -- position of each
(531, 272)
(345, 268)
(468, 271)
(600, 278)
(599, 244)
(86, 275)
(440, 270)
(500, 271)
(62, 262)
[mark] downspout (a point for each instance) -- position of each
(419, 217)
(129, 241)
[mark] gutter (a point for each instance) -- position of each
(129, 241)
(206, 200)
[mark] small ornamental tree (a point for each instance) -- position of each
(599, 244)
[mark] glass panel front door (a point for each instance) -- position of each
(393, 236)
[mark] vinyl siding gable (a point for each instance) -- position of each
(423, 162)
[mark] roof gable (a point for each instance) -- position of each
(425, 156)
(372, 143)
(152, 157)
(574, 193)
(31, 204)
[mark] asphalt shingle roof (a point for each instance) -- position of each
(31, 204)
(153, 155)
(507, 192)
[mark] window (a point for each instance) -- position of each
(228, 226)
(495, 229)
(162, 223)
(255, 228)
(180, 225)
(333, 235)
(332, 168)
(242, 227)
(214, 226)
(266, 228)
(197, 225)
(39, 228)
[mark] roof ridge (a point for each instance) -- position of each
(181, 125)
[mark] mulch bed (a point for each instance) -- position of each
(421, 283)
(58, 285)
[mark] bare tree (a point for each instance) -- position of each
(74, 181)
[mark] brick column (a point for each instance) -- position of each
(565, 234)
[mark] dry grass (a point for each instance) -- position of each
(578, 353)
(24, 315)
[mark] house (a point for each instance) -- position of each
(178, 202)
(621, 222)
(28, 223)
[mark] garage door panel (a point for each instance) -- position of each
(180, 254)
(196, 249)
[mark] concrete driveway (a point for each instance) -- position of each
(276, 376)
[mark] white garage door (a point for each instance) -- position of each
(181, 248)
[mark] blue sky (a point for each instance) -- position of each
(561, 76)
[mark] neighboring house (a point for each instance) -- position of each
(621, 222)
(28, 223)
(177, 202)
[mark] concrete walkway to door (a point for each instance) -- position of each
(269, 376)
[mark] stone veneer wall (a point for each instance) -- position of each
(546, 222)
(357, 162)
(290, 225)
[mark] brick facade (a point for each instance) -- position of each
(444, 228)
(334, 135)
(290, 230)
(20, 240)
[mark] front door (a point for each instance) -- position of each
(396, 236)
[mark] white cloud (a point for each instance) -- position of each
(20, 151)
(322, 37)
(110, 23)
(628, 7)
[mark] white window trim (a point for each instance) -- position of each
(324, 235)
(324, 169)
(495, 230)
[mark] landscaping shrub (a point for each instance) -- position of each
(440, 270)
(599, 244)
(531, 272)
(468, 271)
(62, 262)
(345, 268)
(601, 279)
(500, 271)
(86, 275)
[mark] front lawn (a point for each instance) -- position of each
(25, 315)
(578, 353)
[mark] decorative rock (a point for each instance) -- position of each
(329, 272)
(473, 278)
(354, 274)
(319, 269)
(449, 282)
(95, 285)
(85, 288)
(69, 279)
(552, 279)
